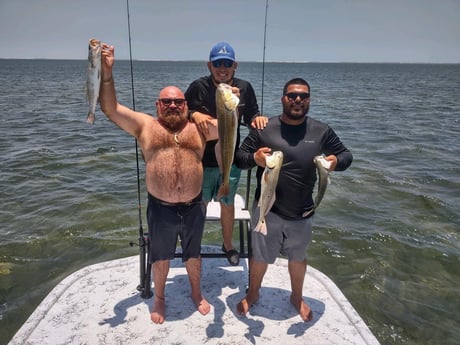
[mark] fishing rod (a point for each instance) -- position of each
(248, 176)
(144, 245)
(263, 59)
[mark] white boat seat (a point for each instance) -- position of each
(213, 211)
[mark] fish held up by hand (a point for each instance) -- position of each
(323, 167)
(227, 119)
(93, 77)
(269, 181)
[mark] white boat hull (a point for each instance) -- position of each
(99, 304)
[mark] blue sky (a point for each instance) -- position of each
(297, 30)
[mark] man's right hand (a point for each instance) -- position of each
(261, 154)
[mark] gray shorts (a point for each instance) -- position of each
(286, 237)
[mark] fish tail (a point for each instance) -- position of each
(91, 117)
(261, 227)
(306, 213)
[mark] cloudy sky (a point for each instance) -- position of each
(297, 30)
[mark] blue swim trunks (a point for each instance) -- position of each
(212, 179)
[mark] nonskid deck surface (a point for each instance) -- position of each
(99, 304)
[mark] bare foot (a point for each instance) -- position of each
(242, 308)
(158, 313)
(303, 309)
(201, 305)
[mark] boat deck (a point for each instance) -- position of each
(99, 304)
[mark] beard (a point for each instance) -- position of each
(227, 79)
(172, 120)
(295, 112)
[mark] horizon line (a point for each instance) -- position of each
(244, 61)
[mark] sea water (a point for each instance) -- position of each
(386, 231)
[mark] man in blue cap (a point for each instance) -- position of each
(201, 99)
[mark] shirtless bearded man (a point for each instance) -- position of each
(172, 148)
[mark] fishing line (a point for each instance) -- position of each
(263, 59)
(248, 176)
(144, 286)
(134, 108)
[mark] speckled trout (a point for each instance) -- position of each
(322, 169)
(93, 77)
(269, 181)
(227, 122)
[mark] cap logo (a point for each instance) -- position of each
(223, 50)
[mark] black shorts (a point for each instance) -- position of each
(167, 221)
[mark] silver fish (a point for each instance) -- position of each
(322, 169)
(93, 77)
(269, 180)
(227, 121)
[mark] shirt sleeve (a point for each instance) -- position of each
(334, 146)
(251, 108)
(197, 96)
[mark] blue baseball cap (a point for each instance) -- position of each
(222, 50)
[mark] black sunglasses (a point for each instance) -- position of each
(293, 95)
(168, 101)
(218, 63)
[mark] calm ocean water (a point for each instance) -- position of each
(386, 233)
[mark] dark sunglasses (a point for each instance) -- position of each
(168, 101)
(218, 63)
(293, 96)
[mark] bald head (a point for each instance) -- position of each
(171, 92)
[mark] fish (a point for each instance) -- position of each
(93, 77)
(227, 123)
(322, 169)
(269, 181)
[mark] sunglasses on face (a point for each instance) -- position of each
(225, 62)
(168, 101)
(292, 96)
